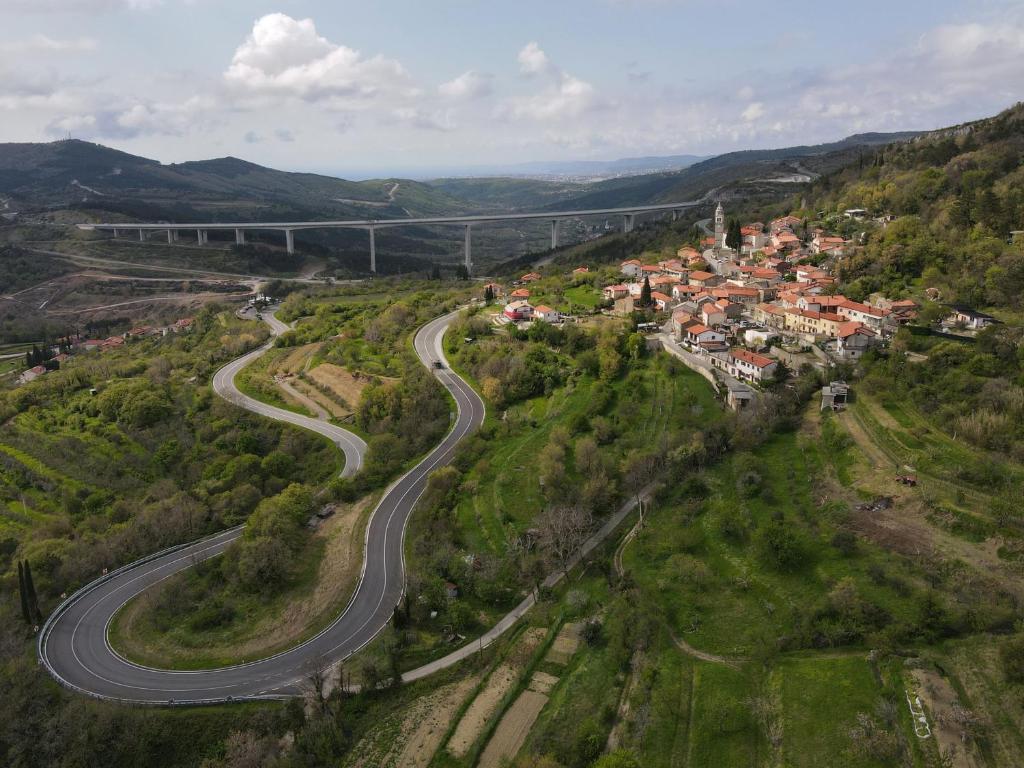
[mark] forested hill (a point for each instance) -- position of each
(77, 173)
(957, 195)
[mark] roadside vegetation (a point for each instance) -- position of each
(285, 579)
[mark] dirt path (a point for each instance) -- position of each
(181, 298)
(620, 569)
(309, 271)
(879, 458)
(682, 645)
(622, 712)
(712, 658)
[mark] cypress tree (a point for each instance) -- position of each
(734, 235)
(645, 293)
(23, 593)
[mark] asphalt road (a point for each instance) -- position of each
(73, 643)
(224, 385)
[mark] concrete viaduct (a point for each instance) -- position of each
(372, 225)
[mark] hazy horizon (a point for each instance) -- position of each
(364, 88)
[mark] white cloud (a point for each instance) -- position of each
(569, 97)
(753, 111)
(42, 89)
(533, 61)
(285, 57)
(45, 44)
(468, 85)
(565, 96)
(84, 6)
(427, 120)
(138, 119)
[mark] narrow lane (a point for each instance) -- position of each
(73, 643)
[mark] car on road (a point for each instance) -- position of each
(438, 364)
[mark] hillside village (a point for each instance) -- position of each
(51, 357)
(749, 313)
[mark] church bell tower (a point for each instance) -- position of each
(719, 226)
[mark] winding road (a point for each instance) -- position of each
(73, 643)
(224, 385)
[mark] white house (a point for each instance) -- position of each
(873, 317)
(969, 318)
(547, 314)
(853, 340)
(700, 335)
(744, 364)
(662, 301)
(631, 268)
(759, 337)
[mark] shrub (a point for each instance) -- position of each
(781, 547)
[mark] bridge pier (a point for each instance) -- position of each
(373, 251)
(675, 215)
(239, 237)
(116, 233)
(289, 240)
(142, 236)
(627, 222)
(175, 233)
(468, 249)
(170, 236)
(554, 234)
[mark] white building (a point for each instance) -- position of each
(547, 314)
(751, 366)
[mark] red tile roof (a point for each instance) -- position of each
(751, 357)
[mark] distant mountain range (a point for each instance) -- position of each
(78, 174)
(75, 174)
(584, 170)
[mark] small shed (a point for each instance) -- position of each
(739, 395)
(835, 395)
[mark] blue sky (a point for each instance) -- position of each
(391, 86)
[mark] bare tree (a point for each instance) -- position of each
(563, 530)
(246, 749)
(315, 681)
